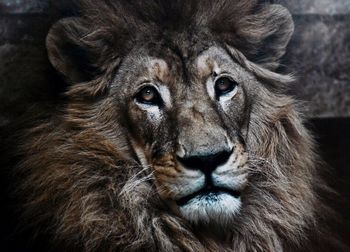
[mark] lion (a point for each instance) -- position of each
(175, 133)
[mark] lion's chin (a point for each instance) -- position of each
(218, 208)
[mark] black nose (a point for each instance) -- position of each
(206, 163)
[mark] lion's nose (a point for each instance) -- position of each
(206, 163)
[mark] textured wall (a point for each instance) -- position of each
(328, 7)
(319, 54)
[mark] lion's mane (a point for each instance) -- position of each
(77, 183)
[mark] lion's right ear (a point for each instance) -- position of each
(69, 53)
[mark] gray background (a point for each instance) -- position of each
(319, 54)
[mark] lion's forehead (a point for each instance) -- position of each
(158, 67)
(170, 66)
(212, 60)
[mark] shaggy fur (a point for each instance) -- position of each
(79, 180)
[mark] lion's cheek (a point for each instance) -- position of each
(165, 180)
(166, 175)
(168, 190)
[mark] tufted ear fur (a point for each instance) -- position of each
(83, 48)
(269, 32)
(262, 35)
(67, 51)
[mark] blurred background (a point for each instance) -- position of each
(318, 55)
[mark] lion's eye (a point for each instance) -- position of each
(224, 85)
(149, 95)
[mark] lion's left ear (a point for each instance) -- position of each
(264, 35)
(68, 53)
(79, 51)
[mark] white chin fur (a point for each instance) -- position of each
(219, 209)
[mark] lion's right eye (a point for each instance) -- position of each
(149, 95)
(224, 85)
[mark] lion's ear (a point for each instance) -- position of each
(266, 34)
(68, 52)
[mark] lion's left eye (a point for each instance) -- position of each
(224, 85)
(149, 95)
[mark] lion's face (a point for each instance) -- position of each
(189, 93)
(187, 120)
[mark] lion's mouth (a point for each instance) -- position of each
(208, 193)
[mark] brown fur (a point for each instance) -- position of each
(80, 181)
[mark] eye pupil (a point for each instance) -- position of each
(224, 85)
(148, 94)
